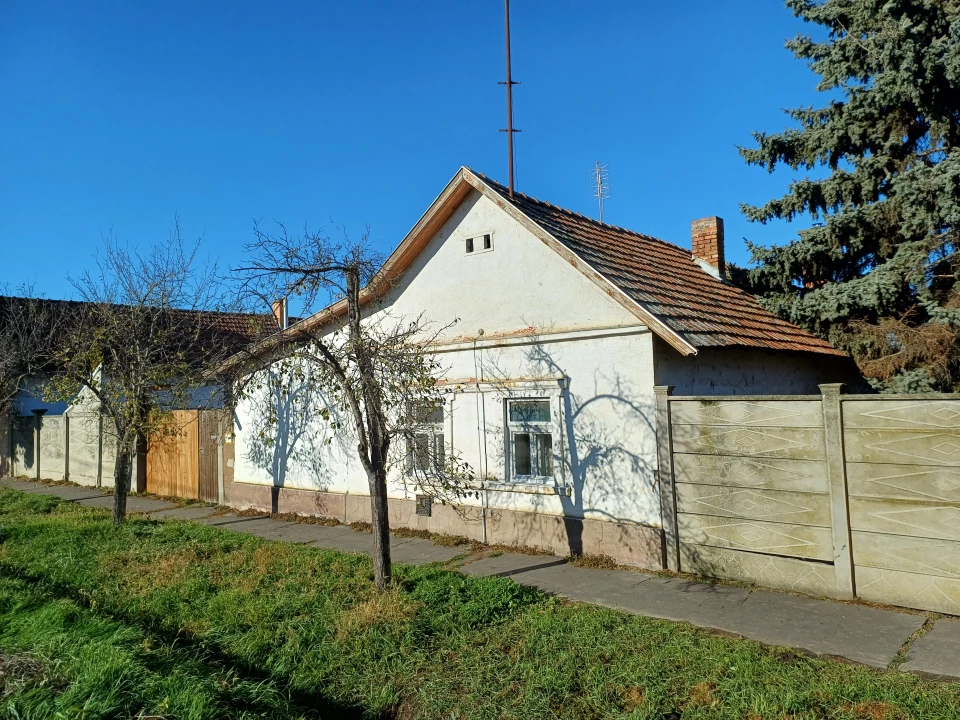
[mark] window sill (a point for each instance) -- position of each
(530, 488)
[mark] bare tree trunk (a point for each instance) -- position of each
(382, 570)
(375, 445)
(121, 481)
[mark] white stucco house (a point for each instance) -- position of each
(559, 329)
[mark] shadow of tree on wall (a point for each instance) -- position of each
(609, 465)
(286, 440)
(24, 443)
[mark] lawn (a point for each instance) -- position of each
(184, 621)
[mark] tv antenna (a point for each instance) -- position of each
(510, 130)
(601, 185)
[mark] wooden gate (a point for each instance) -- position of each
(209, 456)
(184, 463)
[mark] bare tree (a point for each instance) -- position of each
(142, 342)
(27, 324)
(376, 372)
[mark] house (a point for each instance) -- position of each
(558, 328)
(72, 440)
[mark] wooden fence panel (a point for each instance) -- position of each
(173, 458)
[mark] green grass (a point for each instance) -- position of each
(186, 621)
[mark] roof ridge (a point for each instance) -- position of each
(503, 190)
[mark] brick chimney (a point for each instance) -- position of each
(280, 313)
(707, 237)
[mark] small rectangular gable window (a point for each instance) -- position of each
(480, 243)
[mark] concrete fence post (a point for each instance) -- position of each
(668, 502)
(837, 477)
(66, 447)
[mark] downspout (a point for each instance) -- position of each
(481, 445)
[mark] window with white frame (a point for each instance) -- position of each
(425, 448)
(530, 428)
(477, 244)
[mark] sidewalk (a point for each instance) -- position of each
(876, 637)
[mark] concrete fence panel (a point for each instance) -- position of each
(903, 464)
(750, 490)
(52, 447)
(84, 448)
(835, 495)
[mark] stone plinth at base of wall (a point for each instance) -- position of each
(626, 543)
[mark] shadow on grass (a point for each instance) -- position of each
(202, 660)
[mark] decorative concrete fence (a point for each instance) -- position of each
(70, 447)
(832, 494)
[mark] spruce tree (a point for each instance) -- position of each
(878, 272)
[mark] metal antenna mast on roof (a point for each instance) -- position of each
(510, 130)
(601, 185)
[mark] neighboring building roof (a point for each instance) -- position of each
(232, 330)
(662, 277)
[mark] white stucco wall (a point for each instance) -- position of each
(600, 387)
(519, 285)
(548, 331)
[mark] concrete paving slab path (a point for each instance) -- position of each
(820, 627)
(863, 634)
(936, 654)
(854, 632)
(417, 551)
(134, 503)
(187, 513)
(266, 528)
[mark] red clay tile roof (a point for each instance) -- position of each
(664, 279)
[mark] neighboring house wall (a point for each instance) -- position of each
(749, 371)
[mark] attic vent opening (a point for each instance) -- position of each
(479, 243)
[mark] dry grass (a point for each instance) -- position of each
(702, 695)
(164, 570)
(593, 562)
(290, 517)
(17, 670)
(634, 698)
(381, 609)
(876, 710)
(435, 538)
(361, 526)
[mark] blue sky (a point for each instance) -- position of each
(117, 116)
